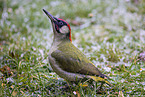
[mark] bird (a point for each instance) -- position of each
(67, 60)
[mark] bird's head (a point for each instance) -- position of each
(61, 28)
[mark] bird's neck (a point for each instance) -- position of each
(57, 43)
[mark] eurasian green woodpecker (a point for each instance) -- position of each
(66, 59)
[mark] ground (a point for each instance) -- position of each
(111, 33)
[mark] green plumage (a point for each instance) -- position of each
(71, 64)
(67, 60)
(71, 59)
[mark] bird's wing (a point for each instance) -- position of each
(73, 60)
(74, 77)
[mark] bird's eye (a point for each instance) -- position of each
(61, 23)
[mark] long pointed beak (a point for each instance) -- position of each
(49, 15)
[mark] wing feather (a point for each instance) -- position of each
(73, 60)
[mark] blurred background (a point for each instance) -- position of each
(111, 33)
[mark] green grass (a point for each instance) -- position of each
(113, 38)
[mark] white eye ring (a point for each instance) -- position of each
(64, 29)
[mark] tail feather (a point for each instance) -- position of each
(100, 79)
